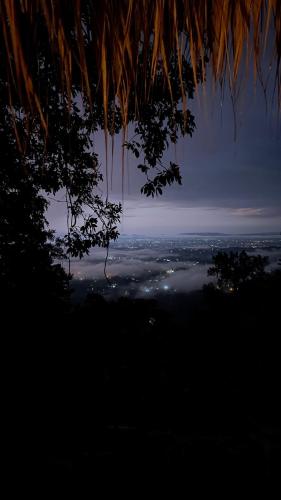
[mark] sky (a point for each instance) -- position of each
(231, 182)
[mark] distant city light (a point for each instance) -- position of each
(150, 280)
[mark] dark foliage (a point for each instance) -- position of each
(184, 398)
(235, 269)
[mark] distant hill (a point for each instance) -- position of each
(271, 233)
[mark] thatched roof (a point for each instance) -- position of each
(112, 31)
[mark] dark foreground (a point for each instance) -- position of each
(105, 396)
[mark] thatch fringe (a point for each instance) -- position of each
(113, 31)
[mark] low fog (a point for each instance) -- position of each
(149, 267)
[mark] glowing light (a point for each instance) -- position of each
(170, 271)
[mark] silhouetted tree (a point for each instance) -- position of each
(35, 165)
(28, 272)
(63, 163)
(234, 269)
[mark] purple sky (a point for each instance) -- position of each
(228, 185)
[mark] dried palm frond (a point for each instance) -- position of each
(105, 37)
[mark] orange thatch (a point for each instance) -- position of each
(115, 29)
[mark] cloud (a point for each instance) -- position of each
(183, 280)
(256, 212)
